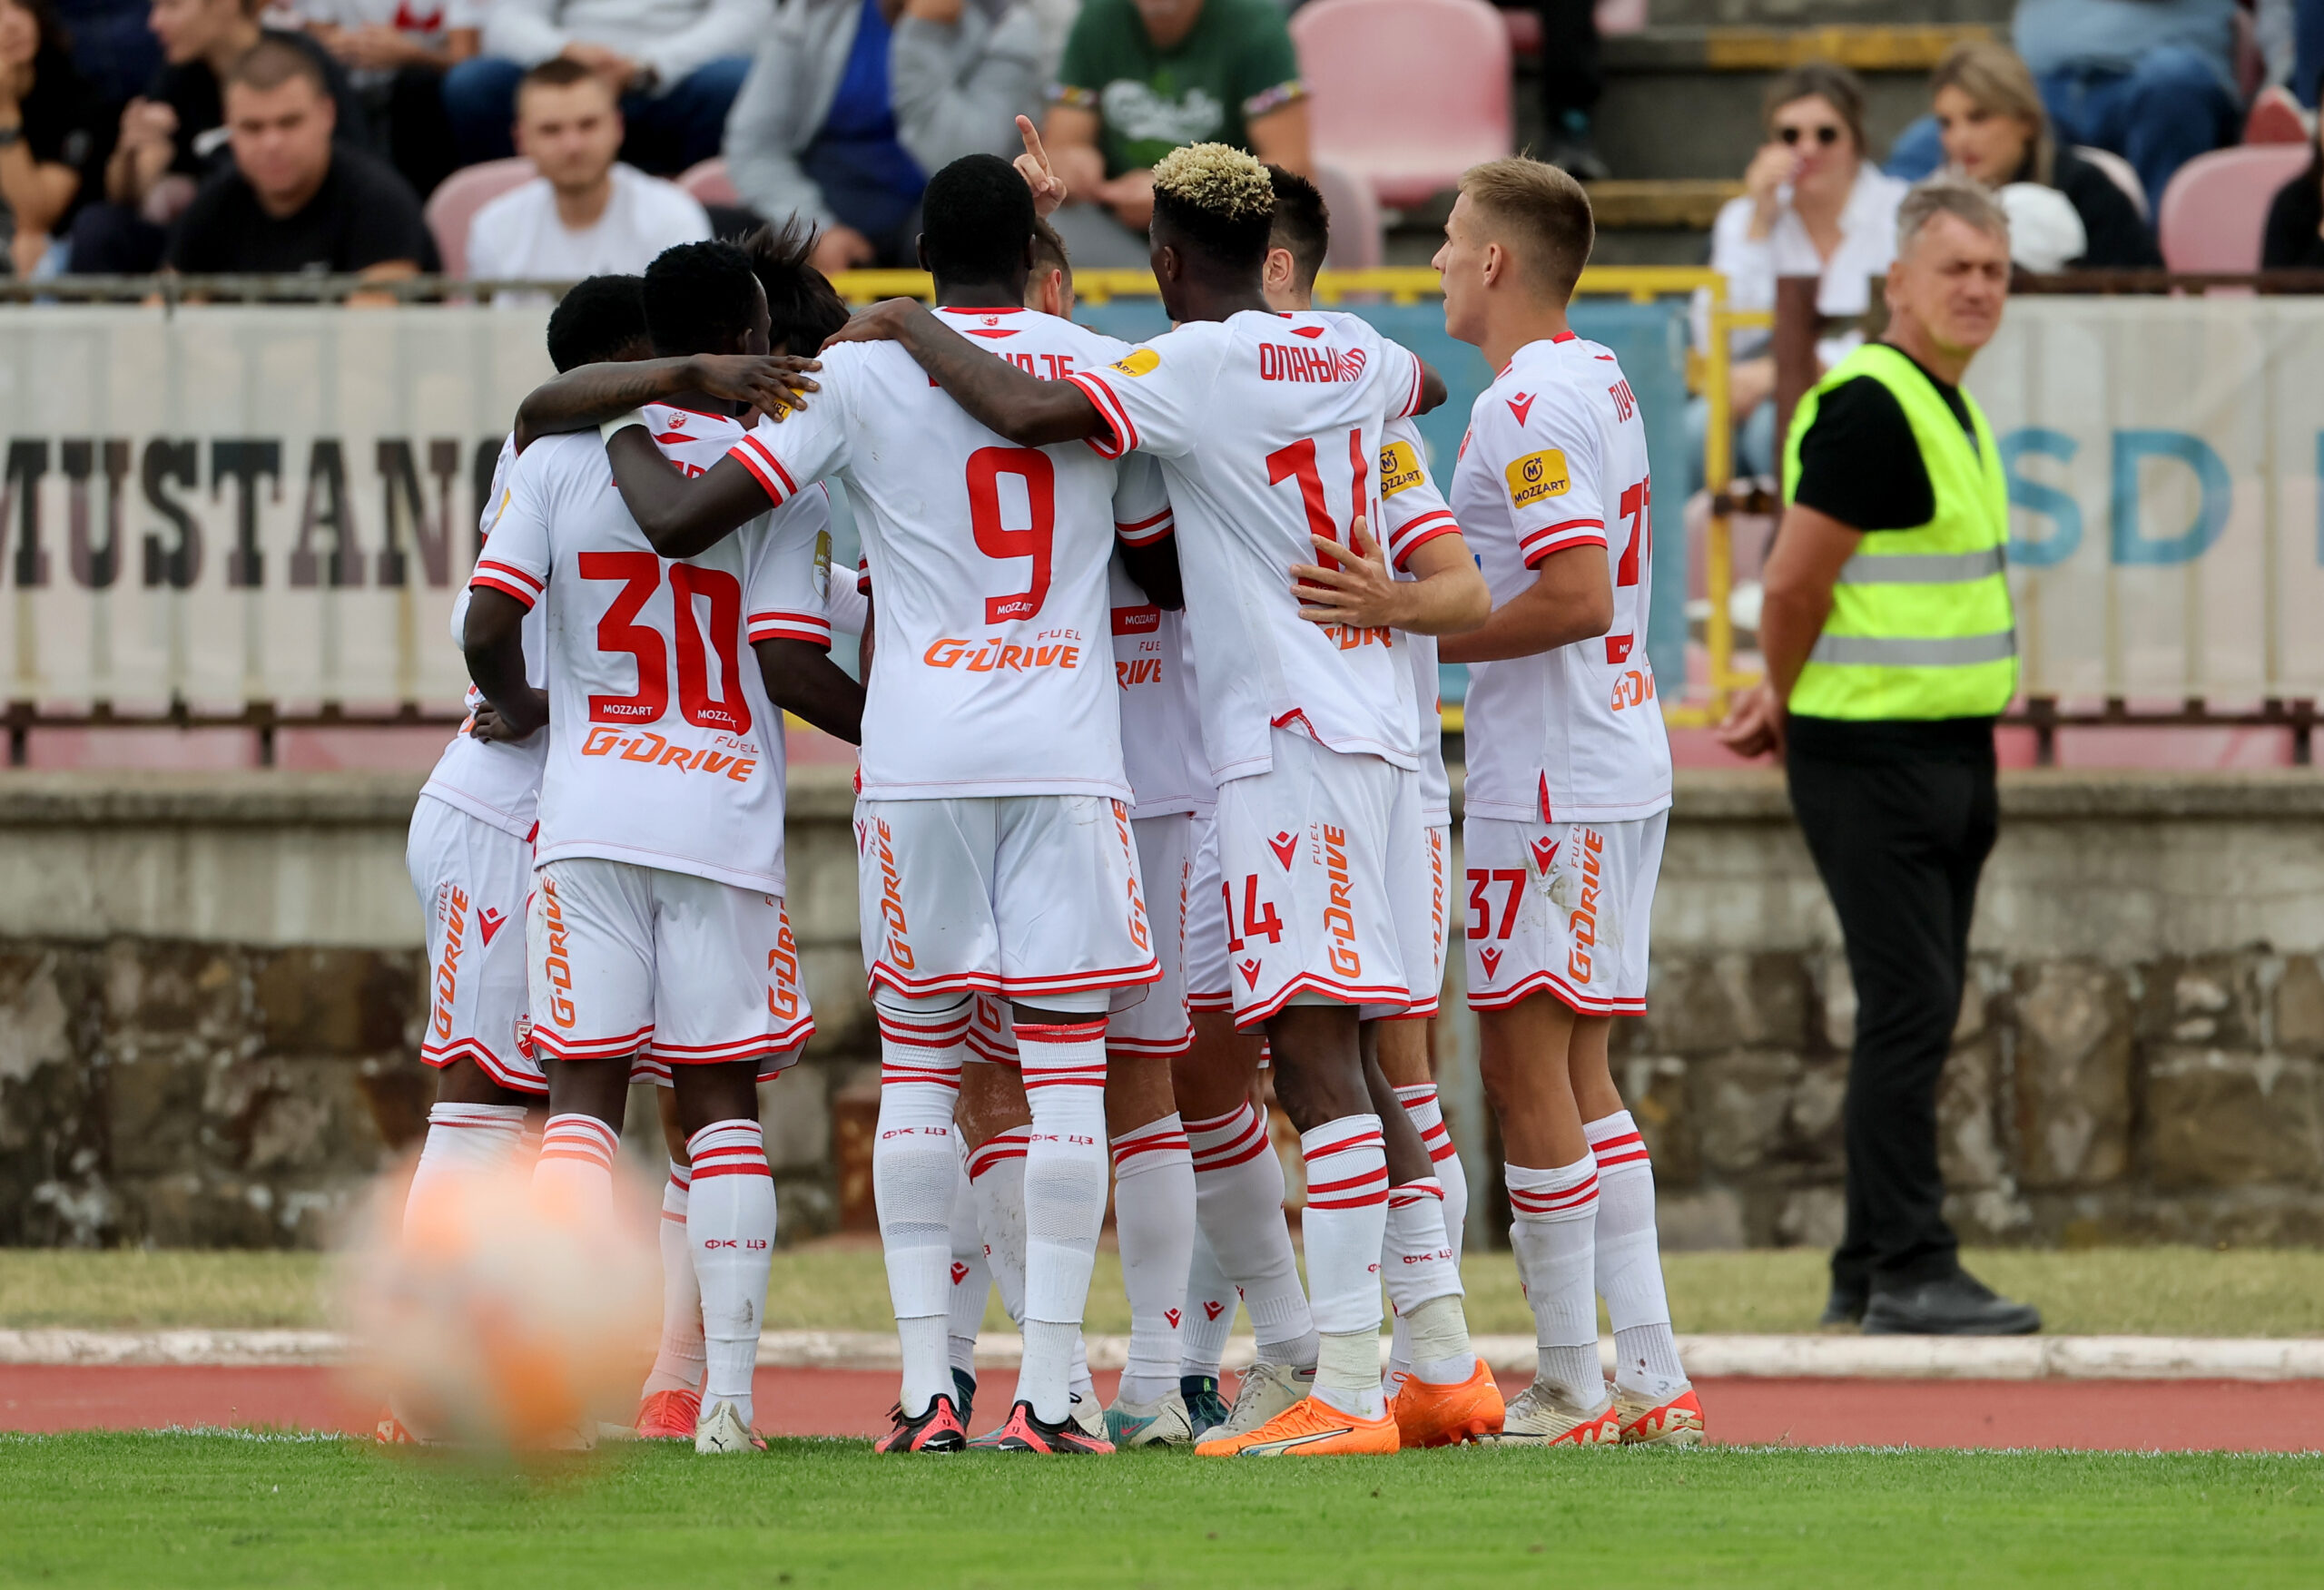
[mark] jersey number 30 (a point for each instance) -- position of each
(640, 574)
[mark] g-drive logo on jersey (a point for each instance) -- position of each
(1060, 648)
(1537, 477)
(452, 903)
(738, 760)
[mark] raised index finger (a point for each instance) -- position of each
(1032, 137)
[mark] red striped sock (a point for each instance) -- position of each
(730, 1225)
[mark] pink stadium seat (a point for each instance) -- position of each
(709, 184)
(459, 196)
(2275, 118)
(1356, 242)
(2215, 209)
(1408, 93)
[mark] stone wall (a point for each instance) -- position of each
(210, 998)
(2140, 1055)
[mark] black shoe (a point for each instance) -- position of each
(1954, 1305)
(966, 1385)
(938, 1429)
(1844, 1309)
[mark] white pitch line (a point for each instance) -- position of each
(1708, 1357)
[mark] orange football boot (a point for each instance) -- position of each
(1310, 1428)
(1676, 1423)
(669, 1415)
(1430, 1414)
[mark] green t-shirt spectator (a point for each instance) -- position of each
(1235, 65)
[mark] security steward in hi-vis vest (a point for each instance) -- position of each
(1891, 649)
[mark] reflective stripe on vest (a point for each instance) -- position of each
(1920, 624)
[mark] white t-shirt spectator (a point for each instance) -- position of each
(428, 23)
(1751, 265)
(519, 234)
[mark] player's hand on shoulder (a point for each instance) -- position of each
(1357, 591)
(768, 382)
(882, 322)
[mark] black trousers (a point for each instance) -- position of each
(1900, 845)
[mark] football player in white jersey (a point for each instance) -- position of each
(1453, 1397)
(1268, 430)
(1568, 792)
(470, 850)
(657, 924)
(995, 845)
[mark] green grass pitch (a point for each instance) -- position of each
(182, 1509)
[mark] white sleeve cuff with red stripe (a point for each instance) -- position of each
(1407, 539)
(1537, 544)
(508, 579)
(814, 628)
(1124, 439)
(766, 469)
(1146, 532)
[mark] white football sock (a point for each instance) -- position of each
(1629, 1262)
(466, 1140)
(575, 1173)
(971, 1279)
(1209, 1313)
(1345, 1225)
(1426, 1112)
(1418, 1263)
(997, 1185)
(913, 1166)
(1238, 1203)
(1064, 1199)
(1154, 1217)
(1556, 1213)
(730, 1223)
(678, 1364)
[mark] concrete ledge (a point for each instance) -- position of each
(2289, 795)
(1707, 1358)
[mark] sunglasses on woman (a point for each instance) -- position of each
(1826, 134)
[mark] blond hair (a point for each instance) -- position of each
(1539, 211)
(1998, 82)
(1218, 178)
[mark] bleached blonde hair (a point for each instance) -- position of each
(1218, 178)
(1540, 212)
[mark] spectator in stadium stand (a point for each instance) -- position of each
(674, 65)
(1997, 134)
(1572, 81)
(112, 44)
(2152, 81)
(586, 215)
(54, 132)
(396, 53)
(1812, 205)
(2294, 239)
(1891, 648)
(851, 104)
(174, 135)
(294, 200)
(1142, 77)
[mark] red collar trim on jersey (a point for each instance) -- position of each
(972, 310)
(1560, 337)
(698, 413)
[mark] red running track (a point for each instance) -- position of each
(2086, 1415)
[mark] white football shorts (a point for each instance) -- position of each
(1018, 895)
(1207, 974)
(1561, 907)
(691, 971)
(1306, 852)
(1158, 1024)
(472, 879)
(1421, 897)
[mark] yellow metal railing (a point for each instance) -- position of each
(1411, 285)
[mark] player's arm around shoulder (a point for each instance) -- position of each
(1011, 402)
(588, 394)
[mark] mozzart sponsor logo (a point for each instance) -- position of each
(248, 513)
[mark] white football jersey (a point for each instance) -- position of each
(1556, 457)
(1413, 514)
(1161, 720)
(663, 749)
(1268, 428)
(986, 563)
(492, 782)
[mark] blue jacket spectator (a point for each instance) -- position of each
(2152, 81)
(851, 104)
(675, 66)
